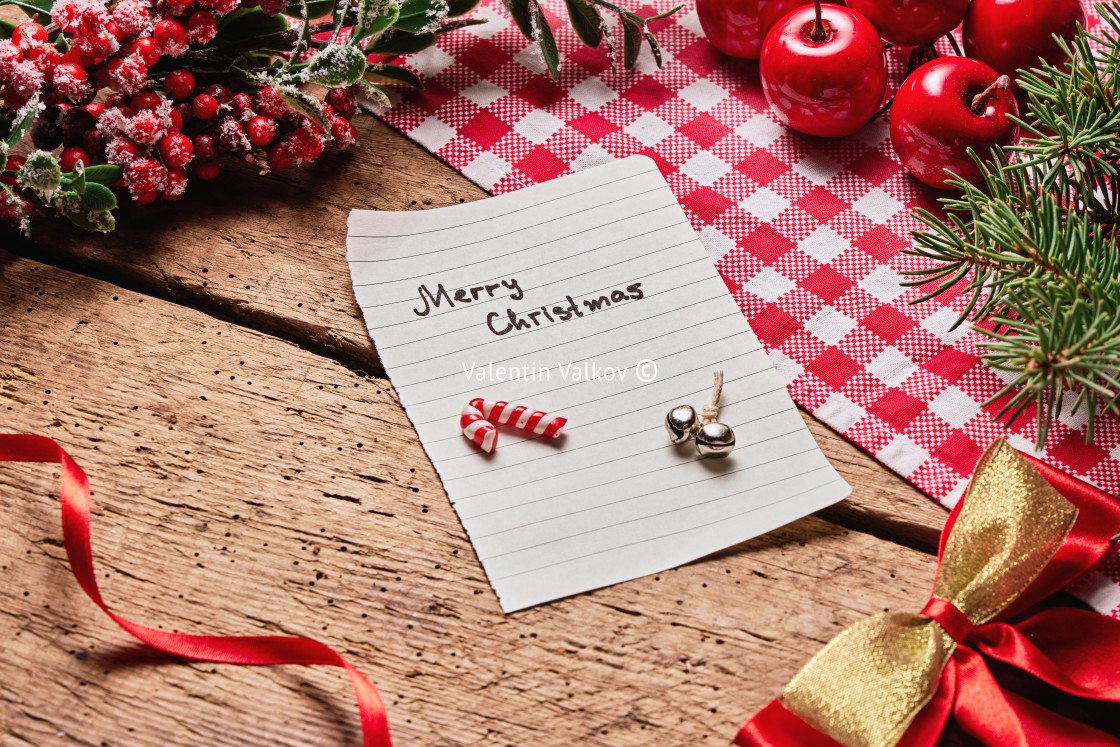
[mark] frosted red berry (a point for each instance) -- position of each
(343, 133)
(174, 185)
(271, 104)
(342, 101)
(207, 170)
(179, 84)
(231, 135)
(205, 106)
(170, 37)
(146, 48)
(176, 150)
(220, 93)
(146, 99)
(146, 127)
(72, 156)
(72, 82)
(242, 105)
(121, 151)
(262, 130)
(201, 26)
(279, 158)
(305, 144)
(144, 176)
(127, 75)
(205, 147)
(30, 34)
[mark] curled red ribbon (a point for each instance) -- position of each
(254, 650)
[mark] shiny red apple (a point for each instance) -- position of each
(945, 107)
(823, 71)
(912, 22)
(737, 27)
(1013, 34)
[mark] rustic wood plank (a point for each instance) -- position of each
(243, 485)
(270, 254)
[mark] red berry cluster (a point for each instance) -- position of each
(156, 136)
(156, 130)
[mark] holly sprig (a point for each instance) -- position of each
(586, 17)
(1036, 246)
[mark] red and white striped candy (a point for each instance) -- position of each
(478, 429)
(533, 421)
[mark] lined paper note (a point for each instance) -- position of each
(588, 297)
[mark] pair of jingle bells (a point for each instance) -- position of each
(712, 439)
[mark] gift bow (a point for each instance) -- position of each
(1022, 532)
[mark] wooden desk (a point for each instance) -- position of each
(254, 473)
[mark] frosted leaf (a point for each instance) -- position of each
(337, 65)
(42, 174)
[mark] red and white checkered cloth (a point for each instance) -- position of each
(806, 232)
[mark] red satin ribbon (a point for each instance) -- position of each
(1074, 650)
(254, 650)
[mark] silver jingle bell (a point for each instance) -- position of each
(715, 440)
(681, 422)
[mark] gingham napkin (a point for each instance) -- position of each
(806, 233)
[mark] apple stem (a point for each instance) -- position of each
(1002, 83)
(817, 33)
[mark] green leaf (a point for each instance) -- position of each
(374, 92)
(631, 42)
(337, 65)
(394, 73)
(246, 23)
(421, 16)
(78, 181)
(76, 211)
(521, 11)
(41, 173)
(305, 104)
(394, 42)
(547, 43)
(103, 173)
(25, 117)
(654, 47)
(33, 6)
(7, 28)
(374, 16)
(666, 14)
(459, 23)
(586, 22)
(98, 197)
(461, 7)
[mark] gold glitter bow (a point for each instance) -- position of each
(867, 685)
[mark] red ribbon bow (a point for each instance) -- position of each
(1073, 650)
(256, 650)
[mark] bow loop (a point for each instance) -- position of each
(1008, 527)
(1017, 535)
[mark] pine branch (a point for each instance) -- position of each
(1034, 249)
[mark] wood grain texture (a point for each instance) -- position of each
(243, 485)
(270, 254)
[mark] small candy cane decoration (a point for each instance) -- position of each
(478, 429)
(534, 421)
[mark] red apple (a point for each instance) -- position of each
(945, 107)
(1013, 34)
(737, 27)
(823, 71)
(912, 22)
